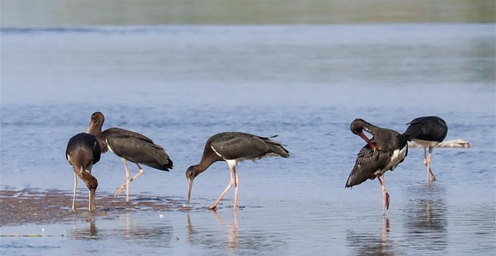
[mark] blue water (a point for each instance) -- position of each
(181, 84)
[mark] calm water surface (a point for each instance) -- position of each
(181, 84)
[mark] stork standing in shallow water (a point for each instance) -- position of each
(427, 131)
(382, 153)
(83, 151)
(233, 147)
(130, 146)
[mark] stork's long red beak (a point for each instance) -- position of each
(364, 137)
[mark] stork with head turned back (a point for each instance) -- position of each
(129, 146)
(233, 147)
(382, 153)
(427, 131)
(82, 152)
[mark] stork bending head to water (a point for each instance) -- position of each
(233, 147)
(83, 151)
(427, 131)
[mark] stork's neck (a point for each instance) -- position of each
(204, 164)
(208, 158)
(370, 128)
(102, 140)
(90, 181)
(100, 136)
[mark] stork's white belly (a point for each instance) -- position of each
(397, 157)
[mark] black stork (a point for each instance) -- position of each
(83, 151)
(130, 146)
(427, 131)
(382, 153)
(233, 147)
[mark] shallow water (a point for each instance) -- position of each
(181, 84)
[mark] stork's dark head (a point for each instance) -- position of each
(92, 184)
(358, 125)
(96, 122)
(90, 181)
(191, 173)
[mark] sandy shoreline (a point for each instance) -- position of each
(35, 206)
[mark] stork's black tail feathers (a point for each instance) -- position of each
(165, 165)
(276, 147)
(412, 132)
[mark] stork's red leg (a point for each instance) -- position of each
(385, 195)
(429, 164)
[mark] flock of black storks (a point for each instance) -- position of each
(383, 152)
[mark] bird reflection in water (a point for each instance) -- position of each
(209, 238)
(427, 220)
(85, 234)
(224, 236)
(191, 231)
(233, 228)
(150, 233)
(385, 231)
(371, 244)
(127, 232)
